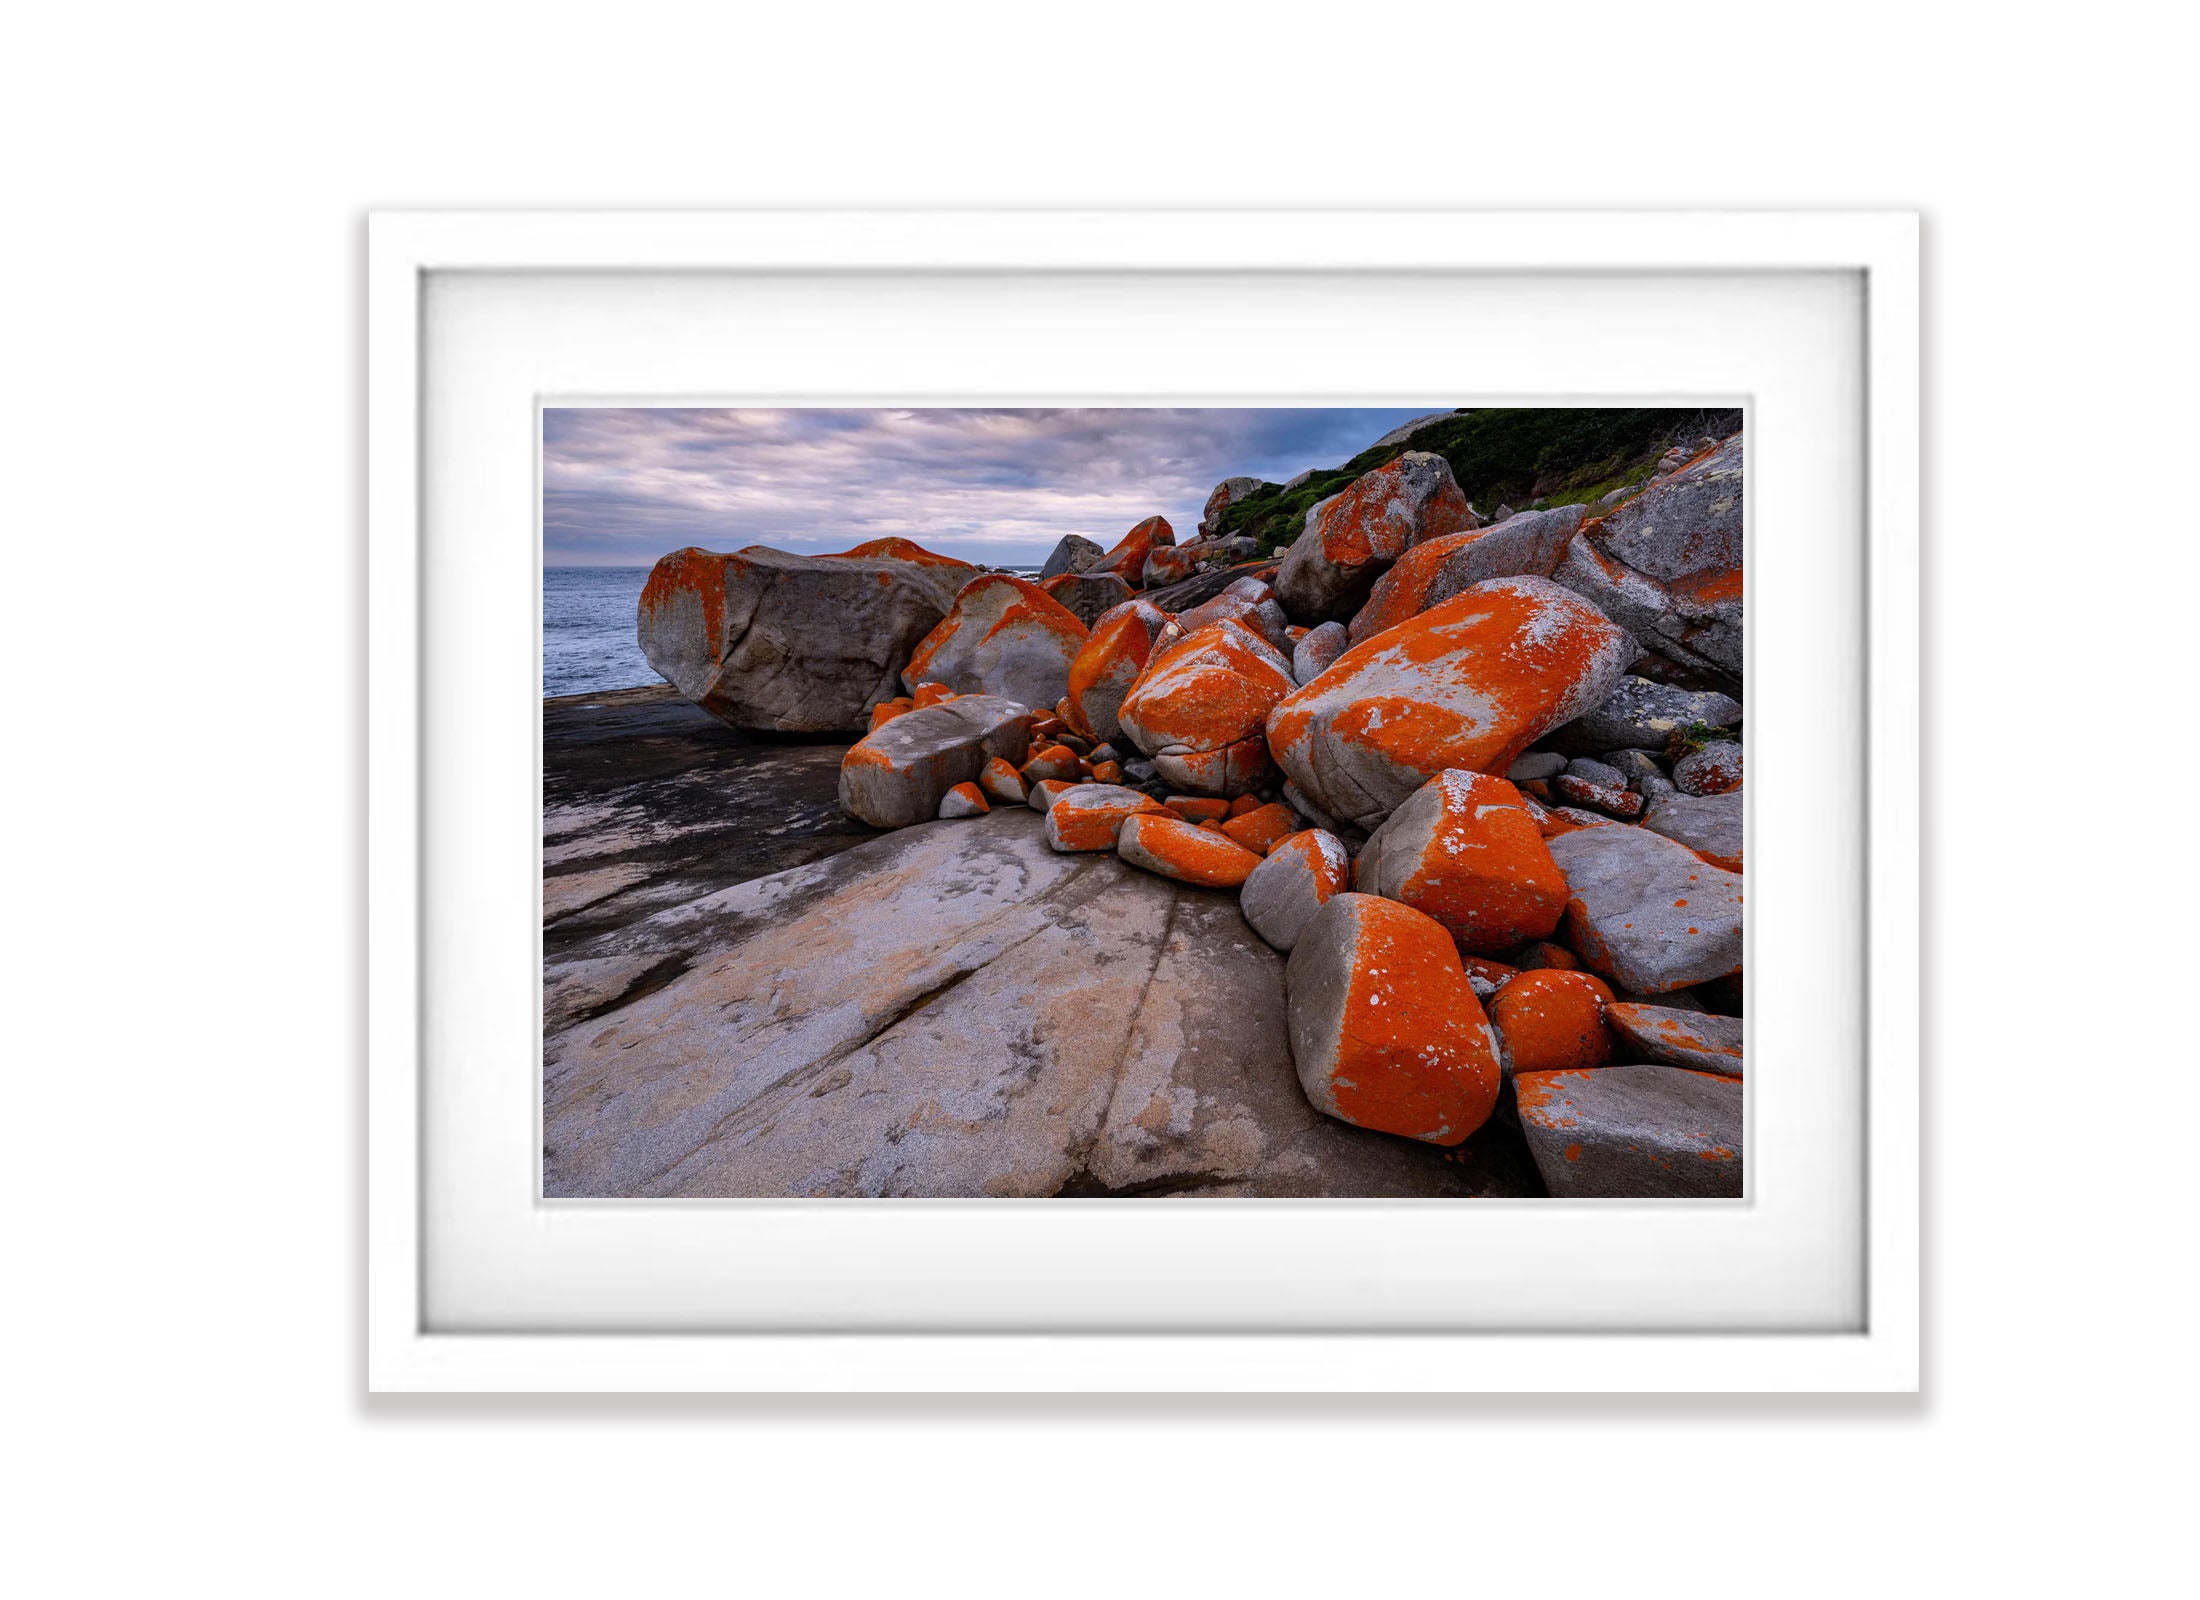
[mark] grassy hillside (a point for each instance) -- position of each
(1546, 455)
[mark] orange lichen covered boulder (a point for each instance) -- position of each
(1384, 1028)
(1002, 782)
(887, 710)
(1695, 1039)
(1052, 761)
(784, 643)
(898, 775)
(1165, 843)
(1261, 828)
(1530, 544)
(1107, 666)
(964, 800)
(1469, 684)
(1247, 600)
(1085, 816)
(1200, 709)
(1167, 564)
(1634, 1132)
(898, 549)
(1553, 1021)
(1352, 537)
(931, 694)
(1003, 637)
(1464, 850)
(1299, 876)
(1107, 772)
(1128, 559)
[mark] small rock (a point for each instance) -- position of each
(1198, 808)
(1639, 770)
(1608, 798)
(1167, 844)
(1596, 772)
(1681, 1038)
(1139, 770)
(1045, 792)
(1715, 769)
(1536, 764)
(1317, 650)
(1088, 816)
(1001, 782)
(1385, 1030)
(1054, 761)
(1543, 955)
(1634, 1132)
(964, 800)
(1087, 596)
(1552, 1021)
(1299, 876)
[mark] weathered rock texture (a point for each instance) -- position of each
(1529, 545)
(1667, 564)
(1680, 1038)
(956, 1010)
(1634, 1131)
(1296, 879)
(1110, 661)
(791, 644)
(1464, 850)
(1200, 709)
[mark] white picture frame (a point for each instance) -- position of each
(408, 1349)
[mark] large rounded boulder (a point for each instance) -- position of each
(1385, 1030)
(784, 643)
(1112, 657)
(1004, 637)
(1465, 850)
(1468, 684)
(1200, 709)
(1351, 538)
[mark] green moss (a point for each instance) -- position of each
(1562, 455)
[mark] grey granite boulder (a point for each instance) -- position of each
(1074, 553)
(1641, 715)
(1591, 771)
(1680, 1038)
(1638, 769)
(1226, 494)
(898, 775)
(1536, 764)
(1089, 596)
(1646, 912)
(790, 644)
(1634, 1132)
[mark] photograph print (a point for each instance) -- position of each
(1227, 803)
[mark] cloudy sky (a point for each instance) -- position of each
(623, 486)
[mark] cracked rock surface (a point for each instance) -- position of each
(951, 1009)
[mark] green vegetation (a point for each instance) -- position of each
(1695, 736)
(1553, 456)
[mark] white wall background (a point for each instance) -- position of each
(181, 424)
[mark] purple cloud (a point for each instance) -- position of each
(621, 486)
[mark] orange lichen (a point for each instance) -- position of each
(1087, 816)
(1198, 808)
(1128, 559)
(887, 710)
(1553, 1021)
(1162, 842)
(1262, 828)
(1414, 1054)
(896, 549)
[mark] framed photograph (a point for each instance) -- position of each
(1143, 801)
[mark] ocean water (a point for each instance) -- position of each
(588, 630)
(588, 641)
